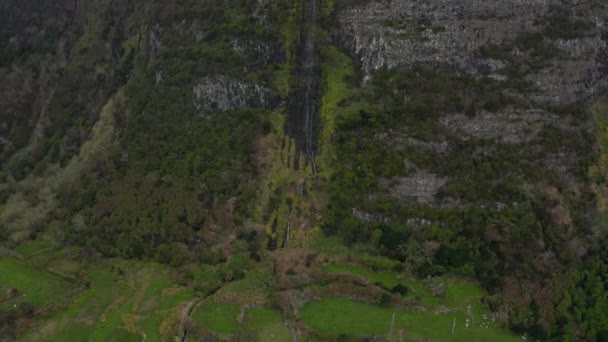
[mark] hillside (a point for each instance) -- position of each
(303, 170)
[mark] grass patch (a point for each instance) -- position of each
(206, 274)
(253, 289)
(39, 286)
(111, 325)
(32, 247)
(460, 292)
(332, 245)
(77, 321)
(118, 307)
(219, 318)
(337, 316)
(65, 266)
(265, 324)
(160, 302)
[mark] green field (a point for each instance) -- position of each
(457, 315)
(115, 308)
(32, 247)
(335, 316)
(88, 313)
(38, 286)
(161, 301)
(265, 324)
(219, 318)
(128, 300)
(110, 327)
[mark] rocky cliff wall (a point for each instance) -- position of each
(457, 34)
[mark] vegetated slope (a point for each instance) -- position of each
(453, 137)
(470, 148)
(188, 99)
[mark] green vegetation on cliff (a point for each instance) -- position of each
(149, 189)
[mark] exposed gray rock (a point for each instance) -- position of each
(418, 222)
(506, 127)
(158, 77)
(450, 33)
(566, 81)
(260, 13)
(154, 40)
(420, 186)
(263, 52)
(219, 93)
(399, 140)
(369, 217)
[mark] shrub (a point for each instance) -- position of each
(400, 289)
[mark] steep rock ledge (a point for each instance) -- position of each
(221, 93)
(453, 34)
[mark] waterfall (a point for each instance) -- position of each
(301, 123)
(310, 80)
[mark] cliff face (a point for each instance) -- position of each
(452, 135)
(221, 94)
(542, 54)
(567, 39)
(479, 110)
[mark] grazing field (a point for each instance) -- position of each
(336, 316)
(454, 313)
(134, 300)
(88, 312)
(38, 286)
(123, 305)
(30, 248)
(218, 318)
(65, 266)
(265, 324)
(161, 303)
(110, 326)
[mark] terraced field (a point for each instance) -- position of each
(114, 301)
(36, 286)
(120, 300)
(335, 316)
(456, 315)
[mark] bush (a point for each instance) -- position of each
(400, 289)
(385, 298)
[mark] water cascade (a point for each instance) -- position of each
(303, 104)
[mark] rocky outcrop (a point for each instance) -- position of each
(265, 53)
(453, 34)
(420, 186)
(365, 216)
(506, 127)
(399, 139)
(219, 93)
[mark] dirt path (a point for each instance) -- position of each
(183, 332)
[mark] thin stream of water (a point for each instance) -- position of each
(303, 100)
(310, 80)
